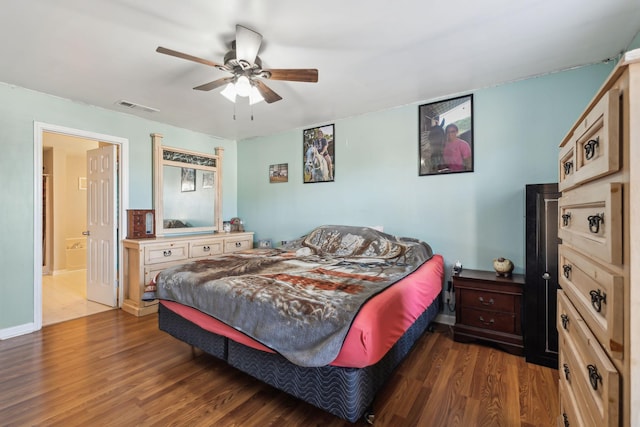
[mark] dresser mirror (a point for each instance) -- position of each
(187, 189)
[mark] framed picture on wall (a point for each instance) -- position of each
(445, 142)
(279, 173)
(188, 179)
(318, 152)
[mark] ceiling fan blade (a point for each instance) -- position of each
(268, 94)
(188, 57)
(214, 84)
(294, 75)
(247, 44)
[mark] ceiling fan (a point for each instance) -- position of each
(246, 66)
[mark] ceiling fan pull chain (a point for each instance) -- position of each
(234, 111)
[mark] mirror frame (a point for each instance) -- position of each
(158, 196)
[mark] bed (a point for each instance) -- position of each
(326, 318)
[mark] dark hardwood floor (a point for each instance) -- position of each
(113, 369)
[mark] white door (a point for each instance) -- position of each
(102, 285)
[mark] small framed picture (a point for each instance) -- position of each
(445, 141)
(188, 179)
(318, 154)
(279, 173)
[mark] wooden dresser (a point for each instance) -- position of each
(599, 243)
(489, 309)
(144, 258)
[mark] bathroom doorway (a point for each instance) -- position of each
(60, 248)
(64, 194)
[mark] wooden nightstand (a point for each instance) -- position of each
(488, 308)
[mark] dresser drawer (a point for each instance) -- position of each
(594, 148)
(590, 219)
(569, 407)
(488, 300)
(490, 320)
(237, 244)
(166, 252)
(592, 374)
(205, 248)
(598, 295)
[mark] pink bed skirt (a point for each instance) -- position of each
(376, 328)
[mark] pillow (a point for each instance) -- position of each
(353, 242)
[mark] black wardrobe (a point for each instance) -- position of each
(541, 274)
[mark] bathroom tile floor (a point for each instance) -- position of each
(64, 297)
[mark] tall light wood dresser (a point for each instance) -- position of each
(144, 258)
(599, 257)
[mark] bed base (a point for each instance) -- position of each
(345, 392)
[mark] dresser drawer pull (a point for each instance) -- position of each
(566, 371)
(566, 270)
(206, 248)
(565, 219)
(483, 302)
(597, 298)
(594, 376)
(565, 320)
(167, 253)
(489, 323)
(238, 244)
(590, 148)
(565, 419)
(594, 222)
(567, 167)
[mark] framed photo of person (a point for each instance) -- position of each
(318, 154)
(445, 141)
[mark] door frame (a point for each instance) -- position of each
(122, 200)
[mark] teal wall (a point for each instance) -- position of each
(19, 109)
(471, 217)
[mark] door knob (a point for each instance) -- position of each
(546, 275)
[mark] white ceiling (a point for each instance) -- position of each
(371, 55)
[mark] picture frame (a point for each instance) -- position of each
(445, 136)
(279, 173)
(208, 179)
(318, 154)
(188, 179)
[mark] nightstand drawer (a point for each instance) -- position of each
(597, 294)
(490, 320)
(488, 301)
(590, 220)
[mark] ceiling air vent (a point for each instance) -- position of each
(135, 106)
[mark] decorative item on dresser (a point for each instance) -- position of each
(488, 308)
(144, 258)
(141, 224)
(599, 246)
(541, 275)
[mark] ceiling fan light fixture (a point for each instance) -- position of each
(229, 92)
(255, 96)
(243, 86)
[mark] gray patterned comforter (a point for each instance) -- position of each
(301, 300)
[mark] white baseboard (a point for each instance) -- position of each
(445, 319)
(15, 331)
